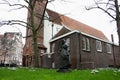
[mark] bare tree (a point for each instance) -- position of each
(110, 7)
(33, 16)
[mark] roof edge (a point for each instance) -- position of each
(66, 27)
(95, 37)
(81, 33)
(64, 35)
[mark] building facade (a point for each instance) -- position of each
(87, 45)
(86, 52)
(1, 37)
(11, 48)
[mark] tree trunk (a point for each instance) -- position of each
(35, 49)
(34, 36)
(117, 19)
(118, 26)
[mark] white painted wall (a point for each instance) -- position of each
(19, 50)
(17, 53)
(48, 32)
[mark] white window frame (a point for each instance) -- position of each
(109, 48)
(53, 47)
(98, 46)
(85, 44)
(68, 43)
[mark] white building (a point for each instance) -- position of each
(12, 48)
(50, 29)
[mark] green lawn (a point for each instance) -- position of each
(51, 74)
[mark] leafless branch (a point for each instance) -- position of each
(102, 10)
(20, 6)
(105, 10)
(14, 22)
(11, 23)
(111, 9)
(108, 3)
(51, 0)
(112, 21)
(104, 3)
(26, 1)
(40, 23)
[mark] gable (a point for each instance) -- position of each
(62, 32)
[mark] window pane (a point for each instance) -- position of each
(98, 45)
(83, 43)
(108, 48)
(68, 43)
(87, 44)
(53, 47)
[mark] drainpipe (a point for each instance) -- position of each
(114, 59)
(52, 29)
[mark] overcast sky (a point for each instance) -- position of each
(72, 8)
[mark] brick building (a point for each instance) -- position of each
(89, 47)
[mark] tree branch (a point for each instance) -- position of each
(8, 3)
(14, 22)
(21, 6)
(111, 9)
(51, 0)
(102, 10)
(40, 23)
(106, 3)
(106, 11)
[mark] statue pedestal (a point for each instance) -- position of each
(64, 70)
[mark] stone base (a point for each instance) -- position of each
(64, 70)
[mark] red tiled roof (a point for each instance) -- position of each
(75, 25)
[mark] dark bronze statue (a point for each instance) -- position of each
(64, 62)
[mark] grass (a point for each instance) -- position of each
(51, 74)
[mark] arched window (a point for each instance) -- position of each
(109, 48)
(85, 44)
(98, 46)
